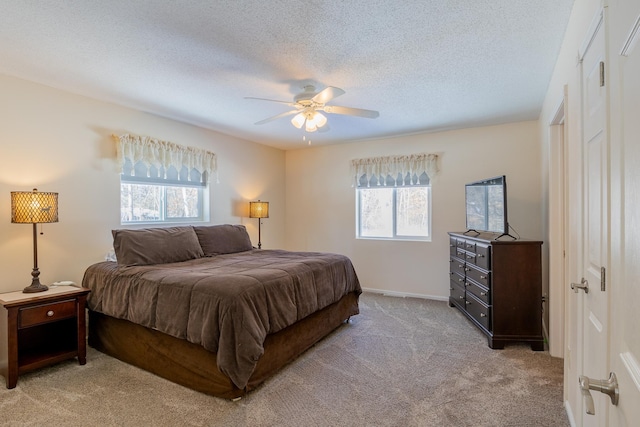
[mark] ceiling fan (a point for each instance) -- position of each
(308, 106)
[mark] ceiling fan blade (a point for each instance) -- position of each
(327, 94)
(271, 100)
(285, 114)
(348, 111)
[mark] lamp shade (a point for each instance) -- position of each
(33, 207)
(258, 209)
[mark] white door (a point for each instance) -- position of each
(594, 315)
(625, 210)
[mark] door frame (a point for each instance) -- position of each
(557, 214)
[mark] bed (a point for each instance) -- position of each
(203, 308)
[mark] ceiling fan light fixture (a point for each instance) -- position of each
(298, 120)
(310, 126)
(319, 119)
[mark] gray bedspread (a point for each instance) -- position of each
(228, 303)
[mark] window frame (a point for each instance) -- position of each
(394, 214)
(164, 184)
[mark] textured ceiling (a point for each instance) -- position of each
(424, 65)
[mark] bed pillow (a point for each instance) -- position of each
(156, 245)
(223, 239)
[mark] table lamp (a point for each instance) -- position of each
(259, 210)
(33, 207)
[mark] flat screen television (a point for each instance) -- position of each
(486, 204)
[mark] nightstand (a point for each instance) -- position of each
(41, 329)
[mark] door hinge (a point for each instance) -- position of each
(603, 279)
(601, 73)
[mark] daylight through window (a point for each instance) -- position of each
(163, 182)
(393, 196)
(394, 212)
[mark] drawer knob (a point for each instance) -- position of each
(480, 255)
(467, 302)
(483, 294)
(483, 315)
(50, 313)
(483, 277)
(461, 296)
(460, 279)
(450, 289)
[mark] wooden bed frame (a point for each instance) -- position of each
(194, 367)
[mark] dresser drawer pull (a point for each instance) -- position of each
(484, 294)
(467, 302)
(460, 280)
(461, 297)
(480, 255)
(483, 315)
(451, 288)
(50, 313)
(466, 269)
(470, 256)
(460, 266)
(483, 277)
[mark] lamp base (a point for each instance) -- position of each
(35, 288)
(35, 285)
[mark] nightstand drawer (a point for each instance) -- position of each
(45, 313)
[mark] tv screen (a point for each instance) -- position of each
(486, 202)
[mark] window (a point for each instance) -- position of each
(393, 196)
(145, 199)
(394, 211)
(163, 182)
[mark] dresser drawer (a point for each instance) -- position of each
(479, 291)
(30, 316)
(452, 246)
(478, 310)
(456, 293)
(483, 256)
(457, 265)
(470, 257)
(480, 276)
(470, 246)
(457, 278)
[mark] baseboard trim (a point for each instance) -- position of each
(404, 294)
(567, 408)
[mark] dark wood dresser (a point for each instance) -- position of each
(497, 284)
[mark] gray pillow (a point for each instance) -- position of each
(156, 245)
(223, 239)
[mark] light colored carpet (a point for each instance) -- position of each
(401, 362)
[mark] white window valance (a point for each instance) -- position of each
(389, 168)
(162, 155)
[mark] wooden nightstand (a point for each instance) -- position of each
(41, 329)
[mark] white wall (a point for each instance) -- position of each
(320, 211)
(60, 142)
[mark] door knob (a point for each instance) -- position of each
(608, 387)
(584, 285)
